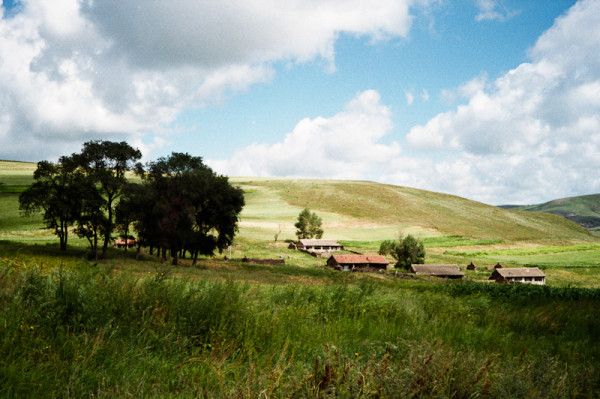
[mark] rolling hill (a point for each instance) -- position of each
(355, 210)
(359, 210)
(584, 210)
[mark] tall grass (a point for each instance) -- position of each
(88, 332)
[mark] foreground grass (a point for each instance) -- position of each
(95, 331)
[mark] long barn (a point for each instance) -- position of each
(357, 262)
(526, 275)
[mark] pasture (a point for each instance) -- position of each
(122, 326)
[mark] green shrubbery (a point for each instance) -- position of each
(101, 333)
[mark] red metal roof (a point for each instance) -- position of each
(358, 259)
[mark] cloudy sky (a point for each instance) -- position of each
(494, 100)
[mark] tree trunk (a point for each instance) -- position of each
(126, 237)
(175, 256)
(108, 229)
(62, 236)
(95, 245)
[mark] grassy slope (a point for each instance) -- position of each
(122, 327)
(361, 215)
(377, 211)
(364, 210)
(584, 209)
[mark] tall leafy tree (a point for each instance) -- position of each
(406, 251)
(56, 191)
(106, 163)
(308, 225)
(194, 209)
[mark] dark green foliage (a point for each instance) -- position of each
(406, 251)
(94, 333)
(56, 191)
(193, 209)
(308, 225)
(105, 163)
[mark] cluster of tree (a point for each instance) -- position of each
(405, 251)
(180, 205)
(308, 225)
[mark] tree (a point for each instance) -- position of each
(55, 192)
(194, 209)
(308, 225)
(105, 163)
(406, 251)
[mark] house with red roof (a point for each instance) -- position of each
(354, 262)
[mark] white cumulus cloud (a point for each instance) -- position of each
(72, 70)
(534, 132)
(492, 10)
(345, 145)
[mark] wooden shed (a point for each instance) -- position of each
(444, 271)
(357, 262)
(525, 275)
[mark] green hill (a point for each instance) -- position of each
(584, 210)
(358, 210)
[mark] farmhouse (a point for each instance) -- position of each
(357, 262)
(123, 242)
(527, 275)
(445, 271)
(314, 245)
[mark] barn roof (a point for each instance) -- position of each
(358, 259)
(437, 270)
(517, 272)
(314, 242)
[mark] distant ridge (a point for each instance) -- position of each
(583, 210)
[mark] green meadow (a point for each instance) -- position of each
(127, 327)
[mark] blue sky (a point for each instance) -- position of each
(495, 100)
(442, 51)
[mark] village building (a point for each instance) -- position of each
(318, 245)
(357, 262)
(526, 275)
(123, 242)
(444, 271)
(471, 266)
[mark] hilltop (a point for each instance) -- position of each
(362, 210)
(359, 210)
(584, 209)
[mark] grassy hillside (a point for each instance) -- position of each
(356, 210)
(584, 210)
(127, 327)
(365, 210)
(361, 215)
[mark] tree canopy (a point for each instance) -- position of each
(105, 164)
(180, 205)
(55, 192)
(406, 251)
(193, 209)
(308, 225)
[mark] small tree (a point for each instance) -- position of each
(55, 192)
(308, 225)
(406, 251)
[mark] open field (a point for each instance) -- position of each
(96, 331)
(118, 327)
(361, 215)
